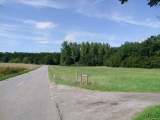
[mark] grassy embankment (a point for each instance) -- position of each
(109, 79)
(150, 113)
(8, 70)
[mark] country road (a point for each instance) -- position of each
(27, 97)
(32, 97)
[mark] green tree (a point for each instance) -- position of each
(75, 51)
(66, 54)
(151, 3)
(82, 53)
(25, 60)
(35, 60)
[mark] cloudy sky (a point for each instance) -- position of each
(42, 25)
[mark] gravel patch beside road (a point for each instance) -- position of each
(81, 104)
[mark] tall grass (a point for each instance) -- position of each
(109, 79)
(20, 65)
(8, 70)
(11, 70)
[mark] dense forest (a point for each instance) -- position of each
(33, 58)
(141, 55)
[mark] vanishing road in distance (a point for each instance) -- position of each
(27, 97)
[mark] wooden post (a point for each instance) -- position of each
(81, 79)
(54, 76)
(77, 72)
(87, 79)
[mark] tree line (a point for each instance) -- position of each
(32, 58)
(131, 54)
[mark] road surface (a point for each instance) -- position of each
(32, 97)
(27, 97)
(81, 104)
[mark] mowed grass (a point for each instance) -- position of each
(150, 113)
(109, 79)
(8, 70)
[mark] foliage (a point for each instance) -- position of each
(88, 54)
(151, 3)
(150, 113)
(145, 54)
(109, 79)
(33, 58)
(138, 55)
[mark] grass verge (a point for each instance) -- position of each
(108, 79)
(150, 113)
(8, 70)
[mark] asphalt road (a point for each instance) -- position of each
(28, 97)
(32, 97)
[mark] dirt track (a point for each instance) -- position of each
(80, 104)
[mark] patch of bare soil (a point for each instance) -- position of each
(80, 104)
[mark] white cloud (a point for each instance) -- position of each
(41, 25)
(12, 35)
(7, 30)
(93, 36)
(2, 2)
(70, 38)
(92, 9)
(89, 8)
(96, 2)
(43, 42)
(8, 26)
(119, 17)
(142, 40)
(130, 20)
(45, 25)
(87, 36)
(37, 3)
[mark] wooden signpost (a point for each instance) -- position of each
(84, 75)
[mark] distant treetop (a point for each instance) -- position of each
(151, 3)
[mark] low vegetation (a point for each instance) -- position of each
(11, 70)
(8, 70)
(109, 79)
(151, 113)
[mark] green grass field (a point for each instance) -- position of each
(109, 79)
(8, 70)
(150, 113)
(113, 79)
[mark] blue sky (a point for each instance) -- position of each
(42, 25)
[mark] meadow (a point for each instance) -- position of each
(112, 79)
(108, 79)
(8, 70)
